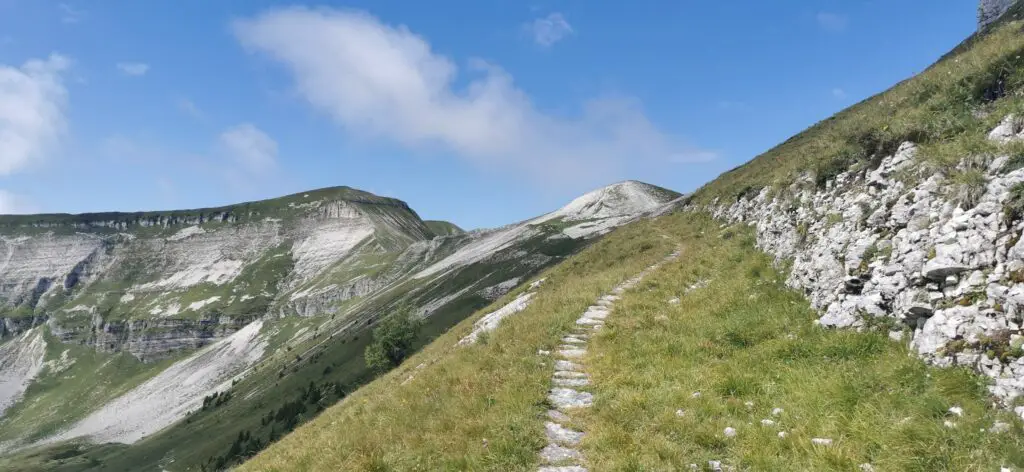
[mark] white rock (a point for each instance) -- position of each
(730, 432)
(554, 453)
(565, 398)
(560, 434)
(999, 427)
(821, 441)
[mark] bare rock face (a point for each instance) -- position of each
(871, 249)
(154, 284)
(990, 11)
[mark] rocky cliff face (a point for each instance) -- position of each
(903, 248)
(237, 293)
(990, 11)
(155, 284)
(151, 284)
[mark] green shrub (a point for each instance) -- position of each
(392, 341)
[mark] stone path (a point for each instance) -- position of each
(568, 383)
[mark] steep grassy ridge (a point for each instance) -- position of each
(948, 108)
(482, 407)
(749, 345)
(468, 408)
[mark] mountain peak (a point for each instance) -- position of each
(626, 198)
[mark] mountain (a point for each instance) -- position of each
(142, 316)
(851, 299)
(903, 210)
(443, 228)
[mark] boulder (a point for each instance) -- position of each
(938, 269)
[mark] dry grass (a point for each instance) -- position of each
(463, 396)
(729, 340)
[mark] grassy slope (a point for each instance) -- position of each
(443, 228)
(727, 340)
(746, 338)
(719, 340)
(948, 108)
(495, 391)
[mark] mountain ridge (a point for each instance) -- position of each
(262, 298)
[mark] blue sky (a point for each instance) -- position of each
(481, 113)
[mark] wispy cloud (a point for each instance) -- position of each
(385, 82)
(14, 204)
(190, 108)
(250, 148)
(831, 22)
(32, 105)
(69, 14)
(838, 93)
(134, 69)
(549, 30)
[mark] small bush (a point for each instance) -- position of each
(392, 341)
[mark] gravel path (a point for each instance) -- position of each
(570, 381)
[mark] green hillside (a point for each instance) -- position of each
(948, 109)
(715, 340)
(443, 228)
(743, 337)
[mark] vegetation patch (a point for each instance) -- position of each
(748, 345)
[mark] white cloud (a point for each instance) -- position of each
(13, 204)
(386, 82)
(832, 22)
(32, 103)
(550, 29)
(250, 147)
(135, 69)
(70, 15)
(838, 93)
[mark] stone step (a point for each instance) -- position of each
(570, 382)
(570, 374)
(567, 398)
(561, 435)
(572, 353)
(554, 454)
(558, 416)
(567, 365)
(563, 468)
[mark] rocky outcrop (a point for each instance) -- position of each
(990, 11)
(873, 250)
(153, 284)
